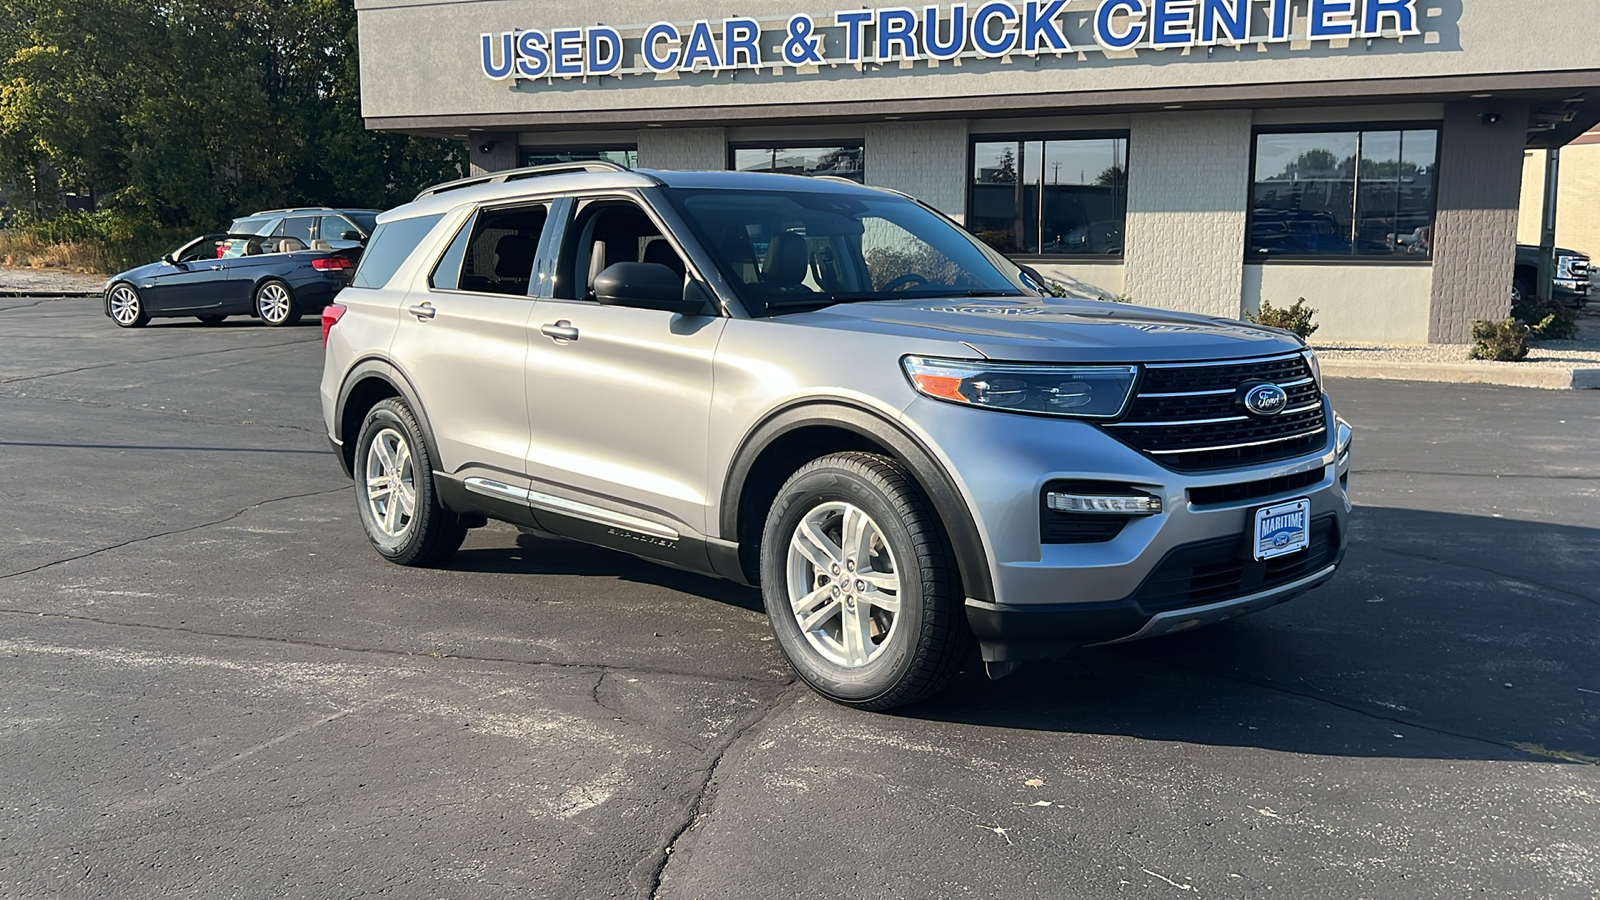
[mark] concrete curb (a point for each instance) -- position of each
(1528, 375)
(47, 295)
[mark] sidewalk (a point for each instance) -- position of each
(1555, 365)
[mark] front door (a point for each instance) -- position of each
(619, 398)
(193, 282)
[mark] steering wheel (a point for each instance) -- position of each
(901, 281)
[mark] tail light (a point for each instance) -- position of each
(330, 264)
(331, 314)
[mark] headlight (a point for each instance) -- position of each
(1085, 392)
(1316, 367)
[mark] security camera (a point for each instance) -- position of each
(1489, 118)
(486, 146)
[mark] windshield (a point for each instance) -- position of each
(802, 250)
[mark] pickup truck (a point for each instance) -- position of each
(1571, 276)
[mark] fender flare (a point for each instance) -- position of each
(387, 372)
(966, 541)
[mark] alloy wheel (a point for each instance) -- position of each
(125, 307)
(843, 584)
(273, 303)
(391, 482)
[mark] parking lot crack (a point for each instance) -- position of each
(169, 533)
(700, 806)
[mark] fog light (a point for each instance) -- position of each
(1111, 504)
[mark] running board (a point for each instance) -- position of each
(499, 490)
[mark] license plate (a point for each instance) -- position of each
(1283, 528)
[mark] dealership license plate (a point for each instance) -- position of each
(1283, 528)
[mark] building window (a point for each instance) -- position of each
(1050, 196)
(841, 161)
(1354, 192)
(622, 156)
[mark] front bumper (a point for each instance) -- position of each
(1160, 574)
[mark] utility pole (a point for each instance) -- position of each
(1547, 225)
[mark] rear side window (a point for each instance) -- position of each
(496, 256)
(391, 243)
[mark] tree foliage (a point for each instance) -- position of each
(189, 112)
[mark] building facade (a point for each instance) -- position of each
(1578, 200)
(1205, 155)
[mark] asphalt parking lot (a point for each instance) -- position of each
(211, 687)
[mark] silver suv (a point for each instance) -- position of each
(837, 394)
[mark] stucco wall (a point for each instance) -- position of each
(1475, 230)
(690, 149)
(422, 58)
(1381, 304)
(927, 160)
(1086, 279)
(1188, 183)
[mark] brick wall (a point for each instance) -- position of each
(1475, 231)
(684, 149)
(1188, 184)
(927, 160)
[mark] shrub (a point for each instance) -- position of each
(1547, 321)
(1296, 318)
(1499, 341)
(98, 242)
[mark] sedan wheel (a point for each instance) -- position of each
(127, 308)
(275, 305)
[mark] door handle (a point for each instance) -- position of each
(559, 331)
(424, 311)
(215, 268)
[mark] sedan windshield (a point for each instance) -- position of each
(801, 250)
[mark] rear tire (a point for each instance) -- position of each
(275, 304)
(127, 307)
(859, 584)
(399, 509)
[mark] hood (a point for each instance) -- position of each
(1049, 329)
(135, 274)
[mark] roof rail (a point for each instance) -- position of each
(564, 168)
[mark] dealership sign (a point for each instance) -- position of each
(973, 30)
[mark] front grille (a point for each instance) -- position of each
(1252, 490)
(1188, 418)
(1223, 569)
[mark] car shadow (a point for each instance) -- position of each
(1444, 636)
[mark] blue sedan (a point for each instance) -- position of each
(276, 280)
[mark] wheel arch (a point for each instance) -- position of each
(368, 383)
(790, 437)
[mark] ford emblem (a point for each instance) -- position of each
(1265, 399)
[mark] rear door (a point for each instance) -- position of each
(463, 340)
(619, 397)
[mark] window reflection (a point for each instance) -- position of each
(622, 156)
(840, 161)
(1052, 197)
(1344, 193)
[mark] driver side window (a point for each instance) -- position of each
(602, 234)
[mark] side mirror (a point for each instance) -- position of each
(645, 286)
(169, 259)
(349, 235)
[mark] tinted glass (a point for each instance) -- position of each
(1065, 197)
(251, 225)
(298, 227)
(391, 243)
(794, 251)
(1344, 193)
(839, 161)
(498, 256)
(446, 274)
(622, 156)
(366, 221)
(334, 228)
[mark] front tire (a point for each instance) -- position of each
(859, 584)
(127, 307)
(399, 509)
(275, 304)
